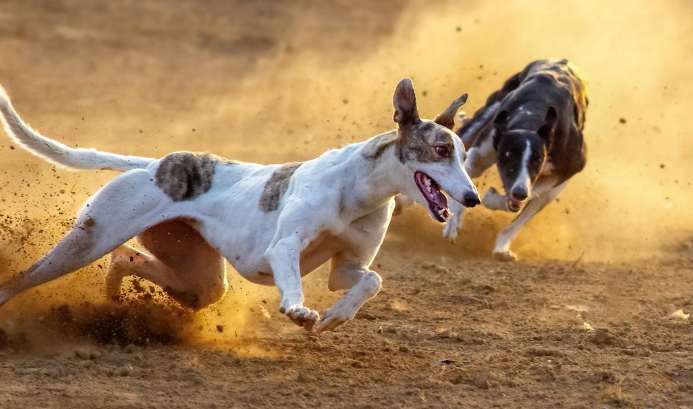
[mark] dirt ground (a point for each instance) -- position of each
(587, 319)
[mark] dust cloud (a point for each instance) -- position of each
(299, 83)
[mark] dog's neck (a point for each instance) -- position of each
(376, 174)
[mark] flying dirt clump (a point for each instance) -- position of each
(134, 322)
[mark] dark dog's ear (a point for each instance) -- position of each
(500, 122)
(546, 130)
(551, 116)
(404, 100)
(447, 117)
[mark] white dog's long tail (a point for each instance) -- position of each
(59, 154)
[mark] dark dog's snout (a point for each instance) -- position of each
(519, 194)
(471, 199)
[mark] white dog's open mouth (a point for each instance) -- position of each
(437, 202)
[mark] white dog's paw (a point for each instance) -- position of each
(494, 201)
(300, 315)
(335, 317)
(505, 256)
(451, 229)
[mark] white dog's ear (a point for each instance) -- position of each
(404, 100)
(447, 117)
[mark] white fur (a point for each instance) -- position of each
(523, 181)
(479, 158)
(493, 200)
(337, 206)
(59, 154)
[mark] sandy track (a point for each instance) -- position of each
(441, 334)
(273, 81)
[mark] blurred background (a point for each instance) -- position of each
(272, 81)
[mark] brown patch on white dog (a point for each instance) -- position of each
(422, 143)
(276, 186)
(375, 149)
(185, 175)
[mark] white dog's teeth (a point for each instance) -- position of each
(428, 182)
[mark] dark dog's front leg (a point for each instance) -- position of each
(539, 200)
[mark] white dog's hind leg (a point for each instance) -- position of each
(128, 261)
(541, 197)
(110, 218)
(182, 263)
(362, 285)
(122, 260)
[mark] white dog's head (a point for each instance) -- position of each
(432, 154)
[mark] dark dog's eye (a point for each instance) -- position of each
(443, 151)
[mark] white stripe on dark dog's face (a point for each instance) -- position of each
(521, 155)
(521, 189)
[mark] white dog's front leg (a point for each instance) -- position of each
(479, 159)
(454, 223)
(284, 258)
(493, 200)
(362, 285)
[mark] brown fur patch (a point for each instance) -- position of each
(375, 148)
(185, 175)
(447, 117)
(276, 186)
(418, 143)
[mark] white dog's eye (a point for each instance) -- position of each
(443, 151)
(507, 154)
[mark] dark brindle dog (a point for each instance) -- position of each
(532, 129)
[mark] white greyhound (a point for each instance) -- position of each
(273, 223)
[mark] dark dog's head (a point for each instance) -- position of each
(521, 156)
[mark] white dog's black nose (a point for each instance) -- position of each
(471, 199)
